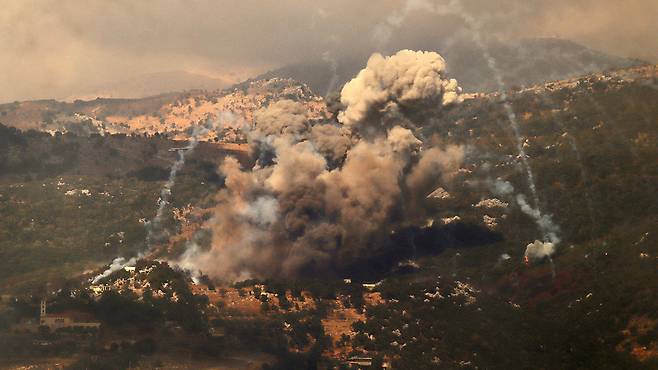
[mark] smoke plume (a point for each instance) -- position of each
(544, 221)
(155, 231)
(549, 229)
(539, 250)
(116, 265)
(389, 83)
(323, 194)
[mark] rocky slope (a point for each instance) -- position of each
(173, 115)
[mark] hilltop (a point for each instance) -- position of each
(174, 115)
(152, 84)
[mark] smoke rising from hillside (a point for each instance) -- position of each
(155, 231)
(393, 82)
(550, 230)
(322, 194)
(539, 250)
(544, 221)
(116, 265)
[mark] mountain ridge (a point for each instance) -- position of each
(527, 62)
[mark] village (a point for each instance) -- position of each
(221, 306)
(128, 312)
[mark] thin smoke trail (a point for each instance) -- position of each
(585, 178)
(333, 66)
(574, 147)
(154, 227)
(572, 141)
(382, 34)
(511, 115)
(605, 113)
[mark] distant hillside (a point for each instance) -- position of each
(27, 155)
(173, 114)
(521, 64)
(154, 84)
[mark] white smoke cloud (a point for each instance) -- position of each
(548, 228)
(544, 221)
(263, 211)
(502, 188)
(116, 265)
(388, 83)
(539, 250)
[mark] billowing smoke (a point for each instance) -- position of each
(332, 141)
(539, 250)
(433, 163)
(323, 194)
(395, 82)
(282, 118)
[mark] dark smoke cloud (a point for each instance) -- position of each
(332, 141)
(282, 118)
(323, 201)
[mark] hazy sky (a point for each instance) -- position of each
(61, 48)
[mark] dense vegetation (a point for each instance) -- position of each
(70, 202)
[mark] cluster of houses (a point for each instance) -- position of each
(132, 282)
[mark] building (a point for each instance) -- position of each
(370, 286)
(69, 319)
(217, 332)
(99, 289)
(363, 363)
